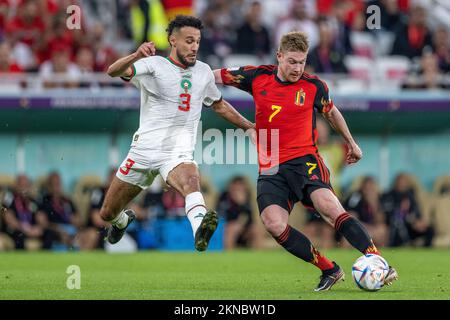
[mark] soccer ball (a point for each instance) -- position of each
(369, 272)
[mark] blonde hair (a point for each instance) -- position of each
(295, 41)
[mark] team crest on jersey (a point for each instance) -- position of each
(300, 96)
(186, 84)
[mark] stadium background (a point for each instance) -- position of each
(79, 123)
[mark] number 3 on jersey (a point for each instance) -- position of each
(277, 110)
(185, 99)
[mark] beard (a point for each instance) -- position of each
(184, 61)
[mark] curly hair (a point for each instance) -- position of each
(181, 21)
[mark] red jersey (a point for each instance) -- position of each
(285, 111)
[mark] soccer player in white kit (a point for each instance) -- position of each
(173, 90)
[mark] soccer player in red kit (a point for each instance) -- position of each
(291, 168)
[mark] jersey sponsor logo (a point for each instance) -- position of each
(300, 97)
(233, 69)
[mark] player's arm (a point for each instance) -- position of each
(218, 76)
(240, 78)
(229, 113)
(123, 66)
(337, 121)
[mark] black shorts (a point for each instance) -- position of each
(295, 180)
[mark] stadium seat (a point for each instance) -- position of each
(238, 60)
(82, 194)
(392, 69)
(442, 185)
(359, 67)
(363, 44)
(344, 86)
(384, 42)
(442, 222)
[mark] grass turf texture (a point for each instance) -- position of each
(424, 274)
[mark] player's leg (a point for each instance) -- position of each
(185, 178)
(275, 219)
(113, 211)
(328, 205)
(275, 201)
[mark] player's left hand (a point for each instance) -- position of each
(354, 153)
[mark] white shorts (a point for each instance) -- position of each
(140, 168)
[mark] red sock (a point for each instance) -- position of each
(320, 261)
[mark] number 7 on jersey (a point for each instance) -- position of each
(277, 110)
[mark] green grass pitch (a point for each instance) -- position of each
(273, 274)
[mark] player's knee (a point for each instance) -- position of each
(273, 225)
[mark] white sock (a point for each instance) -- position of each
(195, 209)
(121, 220)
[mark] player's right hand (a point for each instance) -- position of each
(354, 153)
(146, 49)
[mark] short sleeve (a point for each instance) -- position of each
(239, 77)
(141, 67)
(212, 93)
(322, 101)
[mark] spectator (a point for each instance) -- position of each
(60, 65)
(441, 48)
(216, 41)
(28, 27)
(252, 36)
(326, 57)
(61, 213)
(403, 215)
(58, 37)
(5, 8)
(104, 54)
(235, 206)
(365, 204)
(299, 20)
(22, 221)
(413, 36)
(7, 64)
(340, 26)
(428, 77)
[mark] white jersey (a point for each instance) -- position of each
(171, 104)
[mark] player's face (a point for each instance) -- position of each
(186, 42)
(291, 64)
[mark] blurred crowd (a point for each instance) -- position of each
(41, 216)
(34, 36)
